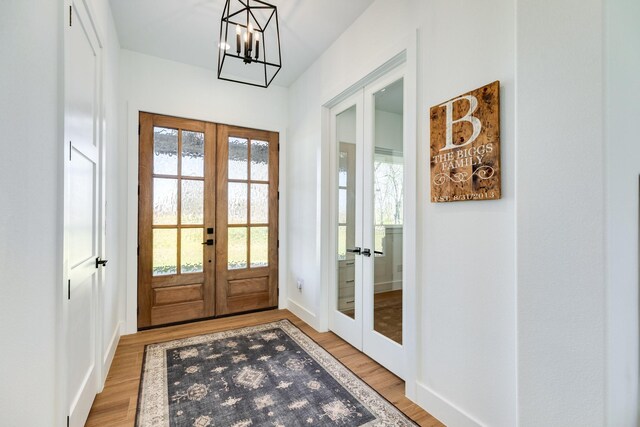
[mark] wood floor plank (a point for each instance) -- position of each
(116, 405)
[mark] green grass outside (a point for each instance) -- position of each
(165, 243)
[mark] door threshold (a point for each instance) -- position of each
(203, 319)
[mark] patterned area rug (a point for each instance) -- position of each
(265, 375)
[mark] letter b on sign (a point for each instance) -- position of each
(469, 117)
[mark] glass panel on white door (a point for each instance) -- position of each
(388, 172)
(346, 139)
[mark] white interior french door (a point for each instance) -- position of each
(347, 147)
(366, 292)
(382, 222)
(82, 210)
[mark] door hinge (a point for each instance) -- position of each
(70, 150)
(138, 251)
(278, 195)
(278, 291)
(70, 15)
(139, 128)
(69, 289)
(67, 420)
(278, 244)
(138, 189)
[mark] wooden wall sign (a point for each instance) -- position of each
(465, 146)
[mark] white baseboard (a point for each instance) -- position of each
(445, 411)
(307, 316)
(110, 353)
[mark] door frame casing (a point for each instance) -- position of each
(405, 51)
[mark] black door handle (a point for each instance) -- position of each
(355, 250)
(378, 252)
(366, 252)
(101, 262)
(209, 242)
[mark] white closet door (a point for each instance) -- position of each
(82, 215)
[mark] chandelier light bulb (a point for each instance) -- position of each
(250, 31)
(257, 45)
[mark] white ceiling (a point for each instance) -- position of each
(187, 30)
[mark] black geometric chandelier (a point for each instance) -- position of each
(249, 48)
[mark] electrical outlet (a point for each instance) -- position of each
(299, 284)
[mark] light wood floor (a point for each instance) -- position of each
(116, 405)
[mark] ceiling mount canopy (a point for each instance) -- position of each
(249, 48)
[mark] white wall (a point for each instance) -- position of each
(303, 224)
(560, 213)
(623, 172)
(160, 86)
(467, 248)
(30, 209)
(467, 293)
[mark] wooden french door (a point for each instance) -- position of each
(193, 216)
(247, 220)
(176, 216)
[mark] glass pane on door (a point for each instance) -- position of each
(192, 203)
(346, 231)
(388, 173)
(165, 250)
(178, 202)
(248, 204)
(165, 151)
(192, 154)
(191, 250)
